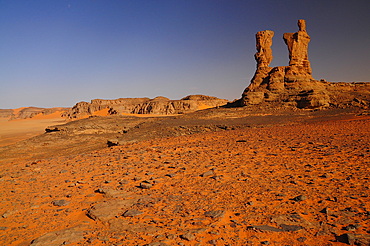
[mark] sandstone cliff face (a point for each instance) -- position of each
(293, 85)
(6, 113)
(157, 106)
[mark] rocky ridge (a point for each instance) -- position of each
(157, 106)
(28, 112)
(293, 85)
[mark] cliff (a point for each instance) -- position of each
(156, 106)
(27, 112)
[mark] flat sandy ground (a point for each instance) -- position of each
(16, 130)
(301, 184)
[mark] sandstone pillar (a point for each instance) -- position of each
(263, 46)
(298, 47)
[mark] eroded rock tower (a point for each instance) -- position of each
(291, 84)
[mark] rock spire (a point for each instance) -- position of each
(298, 47)
(263, 46)
(284, 82)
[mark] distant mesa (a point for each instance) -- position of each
(28, 112)
(156, 106)
(293, 85)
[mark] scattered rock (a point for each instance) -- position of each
(145, 185)
(265, 228)
(290, 227)
(208, 173)
(188, 236)
(351, 227)
(107, 210)
(301, 239)
(300, 198)
(215, 214)
(157, 244)
(60, 203)
(113, 142)
(354, 239)
(57, 238)
(212, 242)
(109, 193)
(132, 213)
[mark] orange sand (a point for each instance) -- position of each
(12, 131)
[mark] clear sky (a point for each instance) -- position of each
(59, 52)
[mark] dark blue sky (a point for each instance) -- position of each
(57, 53)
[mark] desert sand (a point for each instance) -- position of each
(298, 179)
(12, 131)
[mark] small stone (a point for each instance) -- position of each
(112, 142)
(208, 173)
(132, 213)
(266, 228)
(6, 214)
(188, 236)
(290, 227)
(351, 227)
(157, 244)
(354, 239)
(145, 185)
(60, 203)
(215, 214)
(212, 242)
(300, 198)
(301, 239)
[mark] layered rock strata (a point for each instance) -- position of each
(157, 106)
(293, 85)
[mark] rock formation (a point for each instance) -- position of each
(263, 45)
(298, 47)
(28, 112)
(293, 85)
(157, 106)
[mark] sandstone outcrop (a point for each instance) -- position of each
(27, 112)
(156, 106)
(6, 113)
(293, 85)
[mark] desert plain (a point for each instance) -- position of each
(226, 176)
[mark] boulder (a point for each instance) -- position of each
(66, 236)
